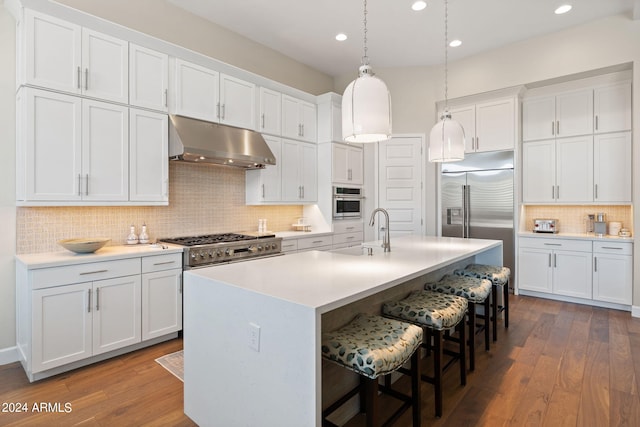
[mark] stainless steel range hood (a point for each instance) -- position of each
(199, 141)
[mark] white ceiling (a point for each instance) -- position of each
(397, 36)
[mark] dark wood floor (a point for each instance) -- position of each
(559, 364)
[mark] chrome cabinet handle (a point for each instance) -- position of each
(611, 247)
(79, 78)
(315, 242)
(596, 122)
(302, 127)
(596, 191)
(86, 79)
(553, 128)
(263, 191)
(262, 121)
(595, 263)
(164, 263)
(555, 261)
(553, 244)
(558, 127)
(89, 302)
(549, 260)
(553, 191)
(79, 185)
(93, 272)
(477, 142)
(98, 299)
(166, 97)
(302, 191)
(86, 189)
(223, 110)
(557, 192)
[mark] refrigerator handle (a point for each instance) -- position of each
(464, 209)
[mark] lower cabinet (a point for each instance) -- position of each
(72, 313)
(347, 234)
(597, 271)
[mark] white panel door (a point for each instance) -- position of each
(309, 173)
(237, 102)
(105, 151)
(535, 269)
(148, 156)
(148, 78)
(612, 167)
(309, 120)
(196, 91)
(161, 303)
(116, 313)
(339, 163)
(612, 278)
(574, 169)
(572, 274)
(400, 185)
(291, 126)
(105, 66)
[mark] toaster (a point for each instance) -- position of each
(545, 225)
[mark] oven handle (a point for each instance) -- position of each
(343, 197)
(186, 267)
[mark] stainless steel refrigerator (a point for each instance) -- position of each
(477, 200)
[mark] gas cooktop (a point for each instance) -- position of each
(209, 239)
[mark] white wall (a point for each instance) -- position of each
(7, 181)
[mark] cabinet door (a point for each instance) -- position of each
(574, 169)
(309, 175)
(105, 66)
(538, 171)
(612, 278)
(612, 167)
(538, 118)
(574, 113)
(105, 151)
(116, 313)
(52, 138)
(340, 163)
(265, 185)
(52, 52)
(356, 173)
(148, 78)
(534, 269)
(148, 156)
(291, 125)
(61, 325)
(309, 121)
(237, 102)
(572, 274)
(196, 91)
(466, 116)
(290, 170)
(270, 111)
(495, 125)
(612, 108)
(161, 303)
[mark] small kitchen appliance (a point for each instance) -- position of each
(600, 225)
(545, 225)
(347, 202)
(211, 249)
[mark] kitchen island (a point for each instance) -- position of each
(253, 329)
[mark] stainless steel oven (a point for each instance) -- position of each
(347, 202)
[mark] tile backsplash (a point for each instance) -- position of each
(572, 218)
(202, 199)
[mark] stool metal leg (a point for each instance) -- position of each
(372, 408)
(487, 321)
(437, 370)
(472, 337)
(463, 353)
(415, 389)
(494, 311)
(506, 304)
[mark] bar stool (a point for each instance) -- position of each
(476, 291)
(498, 276)
(435, 313)
(374, 346)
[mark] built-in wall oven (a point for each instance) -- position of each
(347, 202)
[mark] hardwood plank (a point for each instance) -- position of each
(562, 409)
(625, 409)
(532, 405)
(574, 359)
(594, 402)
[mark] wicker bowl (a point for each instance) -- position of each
(84, 245)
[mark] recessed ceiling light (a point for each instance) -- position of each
(455, 43)
(419, 5)
(563, 9)
(341, 37)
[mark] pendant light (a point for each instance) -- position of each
(446, 141)
(366, 104)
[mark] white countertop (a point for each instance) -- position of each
(327, 280)
(576, 236)
(286, 235)
(65, 257)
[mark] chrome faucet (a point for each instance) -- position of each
(386, 243)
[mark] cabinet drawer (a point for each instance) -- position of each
(56, 276)
(314, 242)
(347, 227)
(289, 246)
(356, 237)
(161, 262)
(556, 244)
(613, 248)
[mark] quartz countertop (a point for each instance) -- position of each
(326, 280)
(286, 235)
(576, 236)
(65, 257)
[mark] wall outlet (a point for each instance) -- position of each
(254, 336)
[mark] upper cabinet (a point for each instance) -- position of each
(347, 164)
(270, 120)
(299, 119)
(206, 94)
(488, 126)
(148, 78)
(66, 57)
(330, 118)
(612, 108)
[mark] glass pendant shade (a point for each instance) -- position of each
(446, 141)
(366, 109)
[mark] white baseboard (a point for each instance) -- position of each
(8, 355)
(635, 311)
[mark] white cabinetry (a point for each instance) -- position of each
(315, 243)
(613, 272)
(330, 118)
(270, 111)
(148, 78)
(206, 94)
(347, 234)
(161, 295)
(148, 156)
(488, 126)
(265, 185)
(299, 171)
(66, 57)
(558, 116)
(612, 108)
(299, 119)
(612, 167)
(556, 266)
(347, 164)
(71, 149)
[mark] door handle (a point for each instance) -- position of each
(595, 264)
(98, 299)
(89, 302)
(596, 122)
(79, 78)
(86, 79)
(555, 261)
(549, 259)
(553, 129)
(262, 120)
